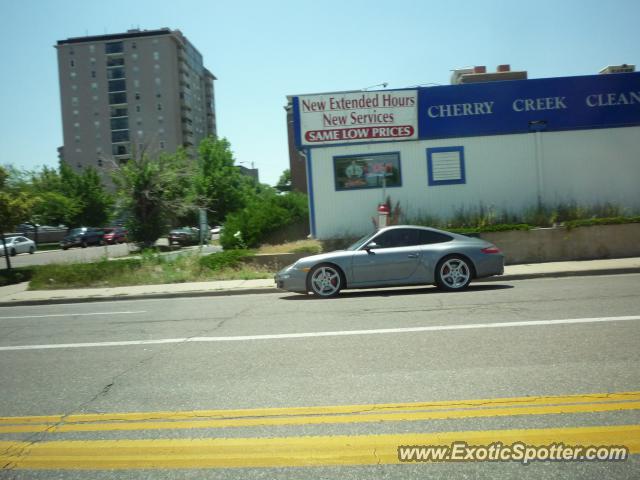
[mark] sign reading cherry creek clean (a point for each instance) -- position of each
(338, 118)
(521, 106)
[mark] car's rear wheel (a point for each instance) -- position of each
(325, 281)
(13, 252)
(453, 273)
(83, 244)
(32, 250)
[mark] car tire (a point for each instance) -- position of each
(83, 244)
(32, 250)
(454, 273)
(13, 252)
(65, 248)
(325, 280)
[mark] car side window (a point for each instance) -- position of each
(398, 237)
(428, 237)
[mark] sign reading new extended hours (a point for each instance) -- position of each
(337, 118)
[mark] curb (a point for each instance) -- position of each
(262, 290)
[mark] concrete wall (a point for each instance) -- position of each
(503, 172)
(534, 246)
(560, 244)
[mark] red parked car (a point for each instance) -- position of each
(115, 235)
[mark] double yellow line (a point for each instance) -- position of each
(300, 451)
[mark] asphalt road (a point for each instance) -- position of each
(416, 362)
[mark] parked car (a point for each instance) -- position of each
(395, 256)
(114, 235)
(18, 244)
(184, 236)
(82, 237)
(217, 230)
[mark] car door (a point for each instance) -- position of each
(394, 260)
(21, 245)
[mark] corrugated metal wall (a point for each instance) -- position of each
(591, 166)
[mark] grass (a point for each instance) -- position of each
(309, 246)
(150, 269)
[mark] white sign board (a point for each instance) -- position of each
(336, 118)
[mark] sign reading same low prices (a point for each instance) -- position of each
(358, 116)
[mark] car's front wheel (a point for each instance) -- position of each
(453, 273)
(325, 281)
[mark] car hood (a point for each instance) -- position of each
(325, 257)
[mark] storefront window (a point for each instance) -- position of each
(367, 171)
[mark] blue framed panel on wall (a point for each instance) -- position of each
(378, 170)
(445, 166)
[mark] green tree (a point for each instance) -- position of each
(284, 183)
(155, 191)
(220, 187)
(15, 207)
(65, 197)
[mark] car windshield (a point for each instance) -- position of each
(76, 231)
(360, 242)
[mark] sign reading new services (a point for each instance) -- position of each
(339, 118)
(520, 106)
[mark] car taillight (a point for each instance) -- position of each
(491, 249)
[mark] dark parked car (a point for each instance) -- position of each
(396, 256)
(82, 237)
(184, 236)
(115, 235)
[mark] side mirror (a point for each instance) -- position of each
(370, 246)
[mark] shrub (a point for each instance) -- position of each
(226, 259)
(265, 213)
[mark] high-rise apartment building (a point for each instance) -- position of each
(143, 90)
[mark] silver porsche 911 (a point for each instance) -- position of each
(395, 256)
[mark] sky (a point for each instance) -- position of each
(261, 51)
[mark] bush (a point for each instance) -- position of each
(15, 275)
(264, 214)
(226, 259)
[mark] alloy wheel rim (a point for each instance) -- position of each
(455, 273)
(325, 281)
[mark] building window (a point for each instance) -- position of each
(77, 138)
(117, 85)
(137, 96)
(115, 73)
(73, 74)
(76, 125)
(158, 81)
(94, 85)
(162, 145)
(96, 123)
(159, 107)
(156, 56)
(74, 87)
(120, 136)
(95, 98)
(445, 166)
(134, 56)
(119, 150)
(140, 133)
(367, 171)
(99, 161)
(133, 45)
(120, 123)
(113, 47)
(117, 98)
(93, 74)
(136, 83)
(72, 63)
(138, 121)
(74, 101)
(138, 109)
(160, 119)
(92, 48)
(136, 69)
(76, 112)
(115, 62)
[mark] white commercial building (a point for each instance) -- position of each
(507, 146)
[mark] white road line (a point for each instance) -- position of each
(73, 314)
(283, 336)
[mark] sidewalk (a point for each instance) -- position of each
(15, 295)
